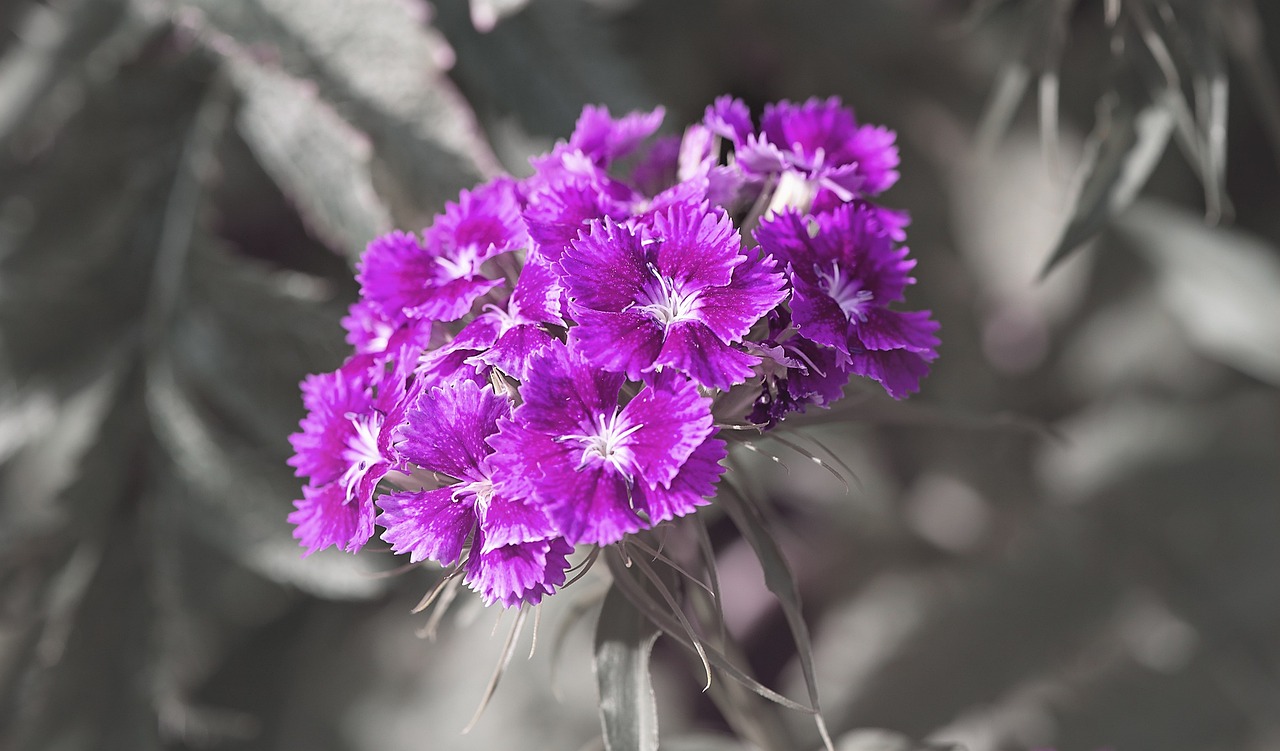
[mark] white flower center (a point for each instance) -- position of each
(666, 302)
(606, 442)
(507, 319)
(847, 292)
(481, 490)
(463, 263)
(362, 450)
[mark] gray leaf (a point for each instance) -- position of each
(623, 643)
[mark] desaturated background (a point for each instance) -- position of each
(1069, 539)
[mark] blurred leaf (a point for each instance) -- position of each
(782, 583)
(1245, 41)
(60, 48)
(623, 643)
(1124, 148)
(314, 155)
(1221, 285)
(382, 69)
(223, 399)
(522, 75)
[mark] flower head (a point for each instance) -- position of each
(599, 468)
(678, 296)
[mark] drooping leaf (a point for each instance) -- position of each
(1124, 148)
(623, 644)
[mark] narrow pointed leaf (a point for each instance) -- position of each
(623, 644)
(1125, 148)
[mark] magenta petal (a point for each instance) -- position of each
(323, 517)
(729, 118)
(536, 298)
(508, 521)
(483, 223)
(693, 486)
(567, 392)
(604, 269)
(515, 350)
(591, 505)
(447, 427)
(785, 236)
(890, 329)
(675, 419)
(731, 311)
(518, 574)
(626, 342)
(692, 348)
(604, 139)
(426, 524)
(697, 248)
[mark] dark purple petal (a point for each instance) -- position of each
(693, 486)
(675, 420)
(817, 317)
(426, 524)
(447, 427)
(890, 329)
(323, 517)
(694, 349)
(898, 370)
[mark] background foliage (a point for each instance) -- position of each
(1068, 539)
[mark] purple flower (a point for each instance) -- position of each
(845, 270)
(819, 140)
(512, 555)
(508, 337)
(604, 139)
(796, 373)
(729, 118)
(601, 470)
(561, 205)
(439, 278)
(674, 297)
(338, 450)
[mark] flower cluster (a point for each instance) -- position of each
(540, 368)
